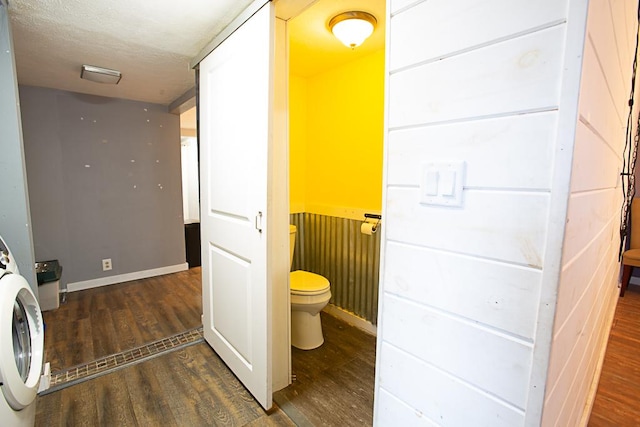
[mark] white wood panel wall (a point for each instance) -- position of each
(588, 288)
(468, 295)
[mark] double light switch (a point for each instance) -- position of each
(442, 183)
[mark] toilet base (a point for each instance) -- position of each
(306, 330)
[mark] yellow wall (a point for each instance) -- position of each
(297, 146)
(336, 136)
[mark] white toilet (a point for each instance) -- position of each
(310, 293)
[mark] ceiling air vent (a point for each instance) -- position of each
(100, 75)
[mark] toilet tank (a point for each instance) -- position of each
(292, 243)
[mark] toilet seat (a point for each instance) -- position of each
(307, 283)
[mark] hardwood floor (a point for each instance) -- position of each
(334, 384)
(616, 401)
(189, 387)
(101, 321)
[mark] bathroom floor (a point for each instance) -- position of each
(333, 385)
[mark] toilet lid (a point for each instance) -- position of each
(307, 283)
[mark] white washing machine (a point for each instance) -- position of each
(21, 345)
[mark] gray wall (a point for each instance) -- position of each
(105, 182)
(15, 222)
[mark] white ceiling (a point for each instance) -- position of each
(152, 41)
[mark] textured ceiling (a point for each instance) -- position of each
(152, 41)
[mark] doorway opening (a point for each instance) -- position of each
(336, 115)
(190, 186)
(336, 180)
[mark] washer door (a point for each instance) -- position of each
(21, 326)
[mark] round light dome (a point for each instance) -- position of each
(352, 28)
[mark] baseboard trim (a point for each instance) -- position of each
(351, 319)
(127, 277)
(634, 281)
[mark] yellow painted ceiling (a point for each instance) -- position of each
(313, 49)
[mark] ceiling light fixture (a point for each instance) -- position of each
(100, 75)
(352, 28)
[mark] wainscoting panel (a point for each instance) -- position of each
(334, 247)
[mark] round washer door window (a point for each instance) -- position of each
(21, 325)
(21, 339)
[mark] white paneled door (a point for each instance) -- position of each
(235, 98)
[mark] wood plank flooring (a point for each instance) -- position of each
(334, 384)
(188, 387)
(616, 401)
(98, 322)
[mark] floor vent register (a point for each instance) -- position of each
(104, 365)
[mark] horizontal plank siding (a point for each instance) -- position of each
(499, 225)
(597, 107)
(492, 362)
(567, 396)
(588, 288)
(438, 396)
(512, 76)
(514, 152)
(575, 278)
(396, 412)
(584, 176)
(456, 27)
(397, 5)
(604, 44)
(580, 322)
(468, 293)
(498, 295)
(589, 213)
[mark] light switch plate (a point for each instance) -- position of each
(442, 183)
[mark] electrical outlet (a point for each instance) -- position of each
(106, 264)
